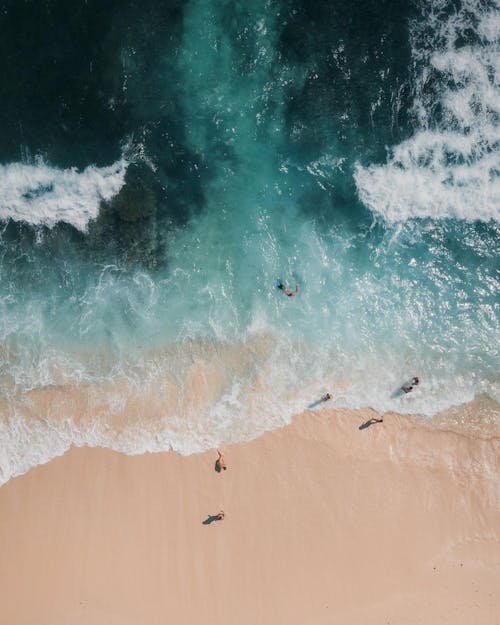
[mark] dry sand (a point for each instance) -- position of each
(397, 523)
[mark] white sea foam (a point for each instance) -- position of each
(451, 166)
(240, 391)
(39, 194)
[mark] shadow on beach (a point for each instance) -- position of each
(211, 518)
(367, 424)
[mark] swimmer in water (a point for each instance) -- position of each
(286, 290)
(409, 386)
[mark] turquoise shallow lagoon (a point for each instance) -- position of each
(164, 165)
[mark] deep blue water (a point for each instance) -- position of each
(162, 164)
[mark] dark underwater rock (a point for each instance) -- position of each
(137, 198)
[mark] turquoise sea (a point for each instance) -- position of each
(164, 163)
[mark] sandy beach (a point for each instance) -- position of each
(395, 523)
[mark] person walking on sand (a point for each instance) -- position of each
(409, 386)
(220, 463)
(371, 421)
(327, 397)
(286, 290)
(211, 518)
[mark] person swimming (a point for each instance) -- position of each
(409, 386)
(286, 290)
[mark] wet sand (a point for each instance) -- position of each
(395, 523)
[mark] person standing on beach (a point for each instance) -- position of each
(220, 463)
(211, 518)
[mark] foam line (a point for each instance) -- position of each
(42, 195)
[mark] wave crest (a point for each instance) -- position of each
(450, 168)
(42, 195)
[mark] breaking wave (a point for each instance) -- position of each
(42, 195)
(450, 168)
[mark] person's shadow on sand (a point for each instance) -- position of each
(213, 517)
(367, 424)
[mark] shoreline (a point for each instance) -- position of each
(325, 523)
(50, 420)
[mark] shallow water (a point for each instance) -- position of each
(175, 161)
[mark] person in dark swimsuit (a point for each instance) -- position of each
(286, 290)
(409, 386)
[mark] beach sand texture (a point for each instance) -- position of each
(397, 523)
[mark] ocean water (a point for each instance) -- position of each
(164, 163)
